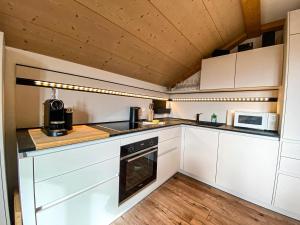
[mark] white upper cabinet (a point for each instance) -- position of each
(200, 153)
(247, 165)
(292, 111)
(218, 72)
(294, 22)
(259, 67)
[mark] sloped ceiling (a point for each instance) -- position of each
(276, 9)
(159, 41)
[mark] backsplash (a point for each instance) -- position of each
(188, 110)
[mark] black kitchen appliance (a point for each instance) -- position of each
(121, 126)
(138, 167)
(245, 47)
(134, 114)
(268, 38)
(160, 107)
(220, 52)
(54, 121)
(68, 117)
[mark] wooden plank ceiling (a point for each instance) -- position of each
(159, 41)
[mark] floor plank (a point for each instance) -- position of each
(183, 201)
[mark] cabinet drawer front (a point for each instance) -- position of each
(169, 134)
(290, 165)
(287, 194)
(168, 165)
(291, 150)
(47, 166)
(139, 137)
(169, 145)
(59, 187)
(96, 206)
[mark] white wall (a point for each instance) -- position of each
(188, 110)
(272, 10)
(88, 107)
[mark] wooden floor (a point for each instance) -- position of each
(183, 200)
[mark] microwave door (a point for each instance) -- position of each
(251, 121)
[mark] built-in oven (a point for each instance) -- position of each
(138, 167)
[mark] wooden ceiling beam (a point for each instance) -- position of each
(273, 26)
(251, 14)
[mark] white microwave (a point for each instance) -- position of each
(256, 120)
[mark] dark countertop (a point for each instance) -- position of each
(25, 143)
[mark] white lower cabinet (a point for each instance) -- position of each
(244, 165)
(287, 194)
(67, 184)
(200, 153)
(247, 165)
(97, 206)
(168, 159)
(168, 165)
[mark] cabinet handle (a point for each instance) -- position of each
(137, 157)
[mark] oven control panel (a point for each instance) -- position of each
(138, 146)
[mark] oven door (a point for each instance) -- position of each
(136, 172)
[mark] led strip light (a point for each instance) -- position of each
(48, 84)
(243, 99)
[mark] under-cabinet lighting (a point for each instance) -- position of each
(243, 99)
(39, 83)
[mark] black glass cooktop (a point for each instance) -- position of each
(122, 126)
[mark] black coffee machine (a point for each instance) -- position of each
(54, 119)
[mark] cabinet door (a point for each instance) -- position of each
(168, 165)
(259, 67)
(200, 153)
(294, 22)
(247, 165)
(292, 111)
(287, 194)
(93, 207)
(218, 72)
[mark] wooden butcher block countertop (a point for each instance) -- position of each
(79, 134)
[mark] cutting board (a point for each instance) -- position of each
(80, 133)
